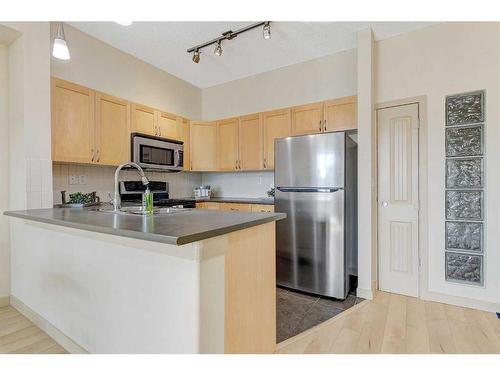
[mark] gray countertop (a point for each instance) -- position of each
(269, 201)
(177, 229)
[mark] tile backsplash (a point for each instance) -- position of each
(239, 184)
(101, 180)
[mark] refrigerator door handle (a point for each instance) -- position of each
(307, 190)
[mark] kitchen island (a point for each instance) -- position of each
(192, 281)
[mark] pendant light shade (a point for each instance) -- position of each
(60, 48)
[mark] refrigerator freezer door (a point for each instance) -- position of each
(310, 242)
(310, 161)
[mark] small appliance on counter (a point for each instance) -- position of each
(202, 192)
(131, 192)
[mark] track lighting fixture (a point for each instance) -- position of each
(196, 56)
(60, 49)
(218, 49)
(229, 35)
(266, 31)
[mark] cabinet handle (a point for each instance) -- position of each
(320, 127)
(324, 125)
(265, 163)
(98, 156)
(93, 155)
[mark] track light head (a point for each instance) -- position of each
(266, 31)
(218, 49)
(196, 56)
(60, 47)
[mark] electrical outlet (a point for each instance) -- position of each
(72, 179)
(82, 179)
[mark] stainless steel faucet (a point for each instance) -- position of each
(117, 202)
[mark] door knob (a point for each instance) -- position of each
(385, 204)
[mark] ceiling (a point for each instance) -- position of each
(164, 45)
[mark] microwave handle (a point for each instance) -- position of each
(176, 158)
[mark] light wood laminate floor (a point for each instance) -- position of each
(19, 335)
(392, 323)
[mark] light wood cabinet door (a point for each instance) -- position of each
(73, 136)
(262, 208)
(307, 119)
(203, 146)
(112, 130)
(341, 114)
(212, 206)
(186, 142)
(228, 142)
(144, 120)
(275, 124)
(236, 207)
(250, 138)
(169, 126)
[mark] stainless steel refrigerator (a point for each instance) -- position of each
(316, 186)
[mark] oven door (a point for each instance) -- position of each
(157, 153)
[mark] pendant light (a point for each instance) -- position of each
(60, 49)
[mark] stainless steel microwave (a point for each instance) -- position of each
(157, 153)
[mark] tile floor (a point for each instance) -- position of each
(297, 312)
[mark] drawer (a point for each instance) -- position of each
(262, 208)
(236, 207)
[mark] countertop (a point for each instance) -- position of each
(269, 201)
(176, 229)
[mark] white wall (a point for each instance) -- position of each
(437, 61)
(30, 165)
(312, 81)
(101, 67)
(4, 174)
(239, 185)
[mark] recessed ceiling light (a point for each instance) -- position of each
(60, 49)
(124, 23)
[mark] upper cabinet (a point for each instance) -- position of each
(228, 144)
(73, 131)
(169, 126)
(340, 114)
(307, 119)
(275, 124)
(94, 128)
(186, 136)
(144, 120)
(251, 143)
(203, 146)
(112, 130)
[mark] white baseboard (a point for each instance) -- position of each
(47, 327)
(364, 293)
(461, 301)
(4, 301)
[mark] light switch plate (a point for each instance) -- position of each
(82, 179)
(72, 179)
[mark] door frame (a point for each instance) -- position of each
(423, 222)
